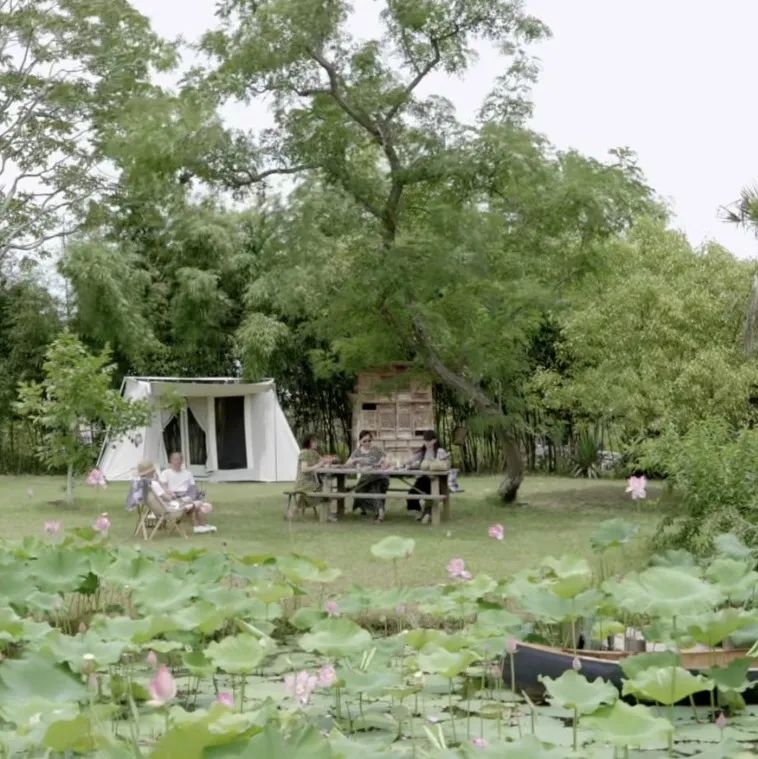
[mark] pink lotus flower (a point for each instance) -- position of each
(480, 742)
(456, 568)
(102, 523)
(721, 721)
(162, 687)
(576, 665)
(151, 659)
(636, 486)
(511, 646)
(332, 608)
(225, 698)
(97, 479)
(53, 527)
(301, 686)
(82, 628)
(496, 531)
(327, 676)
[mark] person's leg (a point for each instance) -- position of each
(424, 485)
(412, 504)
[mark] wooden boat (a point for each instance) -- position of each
(532, 660)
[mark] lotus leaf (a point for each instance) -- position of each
(666, 685)
(164, 595)
(305, 744)
(72, 649)
(734, 577)
(612, 533)
(632, 726)
(393, 547)
(633, 665)
(76, 735)
(305, 617)
(449, 664)
(570, 575)
(729, 544)
(369, 683)
(733, 677)
(36, 676)
(232, 600)
(132, 569)
(191, 737)
(336, 637)
(666, 592)
(477, 588)
(573, 691)
(202, 616)
(604, 628)
(300, 569)
(711, 628)
(58, 569)
(678, 558)
(272, 593)
(238, 655)
(496, 621)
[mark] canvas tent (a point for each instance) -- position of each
(227, 431)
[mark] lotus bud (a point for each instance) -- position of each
(82, 628)
(511, 646)
(576, 665)
(721, 721)
(88, 663)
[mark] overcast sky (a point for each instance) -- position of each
(671, 79)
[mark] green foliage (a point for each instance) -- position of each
(68, 69)
(76, 397)
(711, 469)
(653, 337)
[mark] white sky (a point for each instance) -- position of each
(671, 79)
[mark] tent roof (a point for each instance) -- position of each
(204, 387)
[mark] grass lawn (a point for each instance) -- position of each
(555, 516)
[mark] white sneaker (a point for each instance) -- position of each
(199, 529)
(210, 528)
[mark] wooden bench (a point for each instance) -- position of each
(435, 501)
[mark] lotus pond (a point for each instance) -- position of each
(119, 652)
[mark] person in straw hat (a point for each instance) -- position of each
(148, 477)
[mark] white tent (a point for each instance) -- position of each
(227, 431)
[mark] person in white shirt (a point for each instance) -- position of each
(178, 479)
(180, 488)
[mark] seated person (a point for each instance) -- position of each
(368, 456)
(308, 461)
(179, 480)
(429, 451)
(197, 509)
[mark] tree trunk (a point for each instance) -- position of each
(514, 470)
(514, 462)
(70, 485)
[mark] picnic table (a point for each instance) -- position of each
(334, 487)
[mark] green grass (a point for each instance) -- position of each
(555, 516)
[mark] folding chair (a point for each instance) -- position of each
(142, 515)
(164, 517)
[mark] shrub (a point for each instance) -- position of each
(711, 470)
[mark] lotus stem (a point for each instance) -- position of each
(450, 707)
(513, 673)
(575, 728)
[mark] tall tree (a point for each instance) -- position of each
(453, 236)
(67, 70)
(653, 338)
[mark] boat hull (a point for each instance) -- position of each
(532, 661)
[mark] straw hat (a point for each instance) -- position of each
(144, 468)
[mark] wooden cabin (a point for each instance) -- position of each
(396, 406)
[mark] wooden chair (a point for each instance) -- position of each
(164, 517)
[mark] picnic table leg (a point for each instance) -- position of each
(445, 490)
(325, 503)
(340, 501)
(435, 488)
